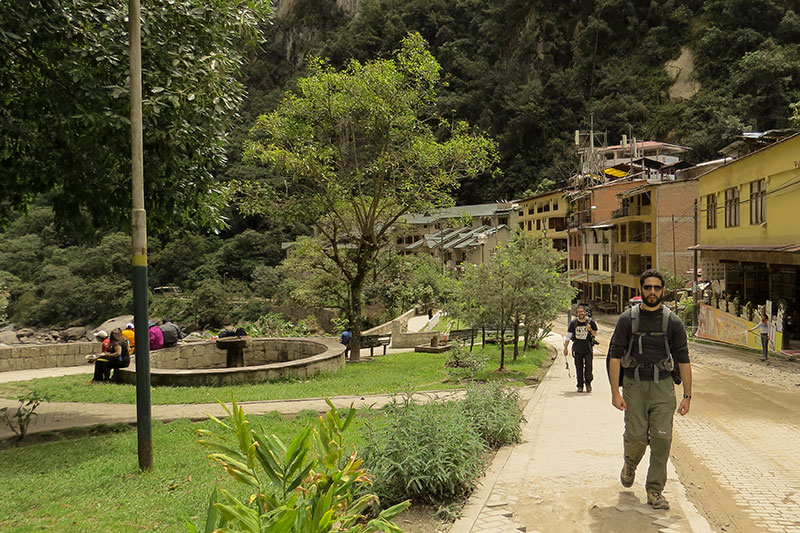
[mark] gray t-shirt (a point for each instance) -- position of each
(652, 346)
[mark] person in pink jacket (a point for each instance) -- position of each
(156, 337)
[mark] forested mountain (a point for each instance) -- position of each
(691, 72)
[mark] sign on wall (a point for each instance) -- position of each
(715, 324)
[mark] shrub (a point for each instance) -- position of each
(19, 421)
(495, 413)
(427, 452)
(461, 364)
(292, 488)
(212, 304)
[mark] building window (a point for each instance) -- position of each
(758, 201)
(530, 225)
(711, 211)
(503, 221)
(595, 262)
(623, 233)
(586, 260)
(648, 262)
(522, 225)
(538, 224)
(605, 262)
(555, 206)
(623, 264)
(732, 207)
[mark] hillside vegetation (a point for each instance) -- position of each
(691, 72)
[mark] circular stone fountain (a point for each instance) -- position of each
(213, 363)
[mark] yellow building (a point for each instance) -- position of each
(749, 238)
(546, 214)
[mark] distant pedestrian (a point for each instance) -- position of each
(117, 357)
(581, 331)
(130, 334)
(105, 342)
(763, 329)
(156, 337)
(647, 343)
(171, 333)
(346, 336)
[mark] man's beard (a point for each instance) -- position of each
(653, 299)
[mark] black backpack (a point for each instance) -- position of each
(629, 360)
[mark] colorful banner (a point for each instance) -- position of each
(715, 324)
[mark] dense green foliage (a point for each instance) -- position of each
(64, 95)
(357, 149)
(532, 73)
(51, 280)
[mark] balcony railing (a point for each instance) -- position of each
(630, 210)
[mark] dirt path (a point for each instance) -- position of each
(738, 450)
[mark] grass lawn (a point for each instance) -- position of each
(404, 372)
(93, 483)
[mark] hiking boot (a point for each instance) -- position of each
(580, 388)
(588, 387)
(627, 475)
(657, 501)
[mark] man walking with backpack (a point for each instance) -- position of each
(648, 354)
(581, 332)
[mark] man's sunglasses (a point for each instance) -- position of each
(652, 287)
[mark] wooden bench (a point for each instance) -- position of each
(373, 341)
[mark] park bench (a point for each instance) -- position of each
(373, 341)
(461, 335)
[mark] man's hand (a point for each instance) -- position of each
(618, 401)
(683, 408)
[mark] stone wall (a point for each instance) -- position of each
(291, 358)
(257, 352)
(28, 357)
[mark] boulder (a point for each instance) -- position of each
(8, 337)
(72, 334)
(25, 332)
(114, 323)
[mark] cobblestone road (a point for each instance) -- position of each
(747, 435)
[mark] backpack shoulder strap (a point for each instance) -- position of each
(665, 318)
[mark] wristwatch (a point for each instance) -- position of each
(687, 396)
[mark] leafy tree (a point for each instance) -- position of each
(359, 150)
(64, 125)
(521, 284)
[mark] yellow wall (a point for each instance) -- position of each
(554, 197)
(780, 165)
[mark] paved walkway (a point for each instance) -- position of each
(564, 476)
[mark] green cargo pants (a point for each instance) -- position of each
(648, 420)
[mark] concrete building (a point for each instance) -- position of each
(545, 214)
(458, 235)
(749, 243)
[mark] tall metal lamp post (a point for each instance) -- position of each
(139, 252)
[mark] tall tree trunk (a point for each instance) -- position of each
(357, 321)
(501, 339)
(516, 339)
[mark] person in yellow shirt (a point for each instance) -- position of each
(129, 334)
